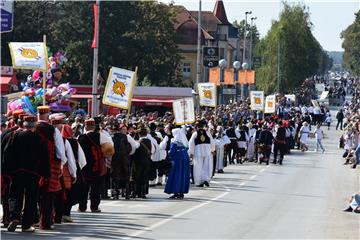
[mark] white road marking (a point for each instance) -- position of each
(252, 177)
(180, 214)
(243, 183)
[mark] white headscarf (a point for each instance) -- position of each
(180, 136)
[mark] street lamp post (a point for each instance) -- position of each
(236, 66)
(243, 86)
(244, 47)
(222, 64)
(244, 66)
(251, 50)
(251, 41)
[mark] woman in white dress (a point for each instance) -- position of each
(251, 143)
(220, 141)
(304, 135)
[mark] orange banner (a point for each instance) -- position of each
(247, 77)
(244, 77)
(214, 76)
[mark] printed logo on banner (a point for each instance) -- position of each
(257, 100)
(119, 87)
(29, 53)
(207, 94)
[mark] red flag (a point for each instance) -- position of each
(96, 15)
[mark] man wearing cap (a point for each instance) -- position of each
(72, 194)
(142, 163)
(155, 139)
(265, 143)
(280, 142)
(6, 137)
(28, 163)
(201, 147)
(230, 133)
(68, 169)
(95, 168)
(124, 146)
(50, 186)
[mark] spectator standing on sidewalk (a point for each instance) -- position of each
(340, 118)
(319, 135)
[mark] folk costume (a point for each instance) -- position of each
(6, 137)
(201, 147)
(179, 176)
(142, 165)
(221, 140)
(50, 186)
(28, 163)
(124, 146)
(73, 179)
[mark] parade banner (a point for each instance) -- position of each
(184, 111)
(29, 55)
(257, 100)
(324, 95)
(119, 88)
(270, 104)
(207, 94)
(315, 103)
(291, 97)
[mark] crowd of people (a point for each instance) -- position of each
(53, 162)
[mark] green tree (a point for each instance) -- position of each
(251, 30)
(132, 33)
(291, 44)
(351, 45)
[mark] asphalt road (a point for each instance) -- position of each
(303, 198)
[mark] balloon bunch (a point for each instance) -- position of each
(57, 97)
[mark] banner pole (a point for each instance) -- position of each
(132, 93)
(44, 75)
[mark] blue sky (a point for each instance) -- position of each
(329, 17)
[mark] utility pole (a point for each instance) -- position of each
(94, 106)
(198, 60)
(278, 66)
(251, 41)
(244, 48)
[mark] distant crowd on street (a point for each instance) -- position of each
(56, 161)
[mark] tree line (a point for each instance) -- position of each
(132, 33)
(351, 45)
(290, 44)
(141, 33)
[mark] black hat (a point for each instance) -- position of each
(152, 126)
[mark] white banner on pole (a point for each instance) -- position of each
(324, 95)
(119, 88)
(290, 97)
(270, 104)
(207, 94)
(315, 103)
(184, 111)
(257, 100)
(29, 55)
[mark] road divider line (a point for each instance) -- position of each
(189, 210)
(252, 177)
(180, 214)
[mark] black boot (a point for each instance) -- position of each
(349, 209)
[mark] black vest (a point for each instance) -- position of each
(74, 146)
(230, 133)
(168, 143)
(202, 137)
